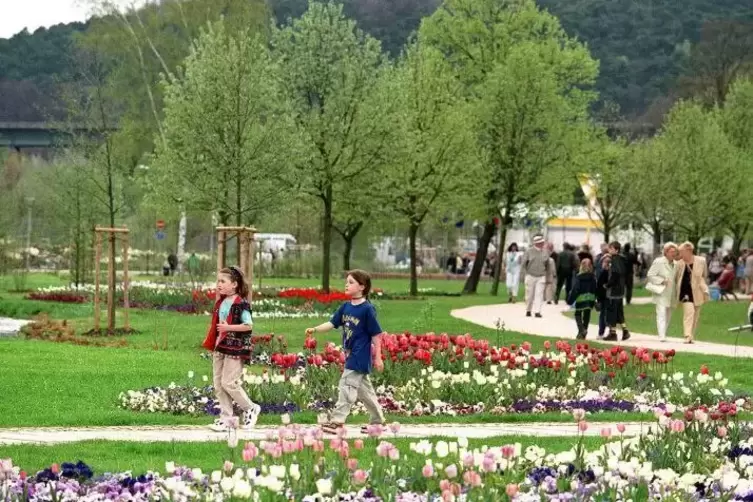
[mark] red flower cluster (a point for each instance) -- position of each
(284, 361)
(313, 294)
(723, 411)
(63, 297)
(330, 356)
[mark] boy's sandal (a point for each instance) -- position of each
(331, 428)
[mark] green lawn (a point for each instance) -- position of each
(51, 384)
(110, 456)
(716, 318)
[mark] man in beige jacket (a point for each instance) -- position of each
(691, 288)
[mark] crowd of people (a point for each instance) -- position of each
(606, 282)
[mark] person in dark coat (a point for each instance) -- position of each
(585, 252)
(616, 287)
(583, 297)
(602, 277)
(567, 267)
(631, 262)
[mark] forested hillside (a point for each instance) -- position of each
(644, 46)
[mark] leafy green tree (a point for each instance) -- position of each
(706, 169)
(611, 179)
(228, 137)
(526, 78)
(435, 155)
(650, 185)
(333, 74)
(737, 120)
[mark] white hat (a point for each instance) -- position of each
(538, 239)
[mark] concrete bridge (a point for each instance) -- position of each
(45, 135)
(41, 135)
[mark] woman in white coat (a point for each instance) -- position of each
(513, 261)
(660, 282)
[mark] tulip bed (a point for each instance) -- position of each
(458, 375)
(691, 456)
(268, 303)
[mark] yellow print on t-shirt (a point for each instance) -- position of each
(347, 322)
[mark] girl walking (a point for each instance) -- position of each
(583, 297)
(229, 339)
(513, 261)
(361, 331)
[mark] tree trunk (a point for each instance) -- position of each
(656, 233)
(738, 234)
(326, 238)
(471, 284)
(498, 263)
(224, 219)
(412, 233)
(607, 229)
(347, 252)
(182, 239)
(349, 234)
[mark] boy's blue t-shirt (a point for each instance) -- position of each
(225, 306)
(359, 325)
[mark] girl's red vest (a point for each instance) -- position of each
(230, 343)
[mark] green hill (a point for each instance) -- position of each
(643, 45)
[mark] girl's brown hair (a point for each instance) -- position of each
(236, 275)
(586, 266)
(364, 279)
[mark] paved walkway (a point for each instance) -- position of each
(49, 435)
(10, 327)
(555, 324)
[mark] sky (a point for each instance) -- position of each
(15, 15)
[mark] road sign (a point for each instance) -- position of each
(159, 235)
(160, 224)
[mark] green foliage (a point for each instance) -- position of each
(228, 137)
(333, 79)
(706, 167)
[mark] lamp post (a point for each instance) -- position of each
(29, 202)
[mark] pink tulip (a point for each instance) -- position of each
(677, 426)
(445, 485)
(512, 490)
(318, 446)
(606, 432)
(358, 444)
(427, 471)
(508, 451)
(335, 444)
(359, 477)
(489, 464)
(721, 431)
(472, 478)
(344, 451)
(468, 460)
(621, 428)
(583, 426)
(447, 496)
(394, 454)
(394, 427)
(228, 466)
(55, 468)
(352, 464)
(451, 471)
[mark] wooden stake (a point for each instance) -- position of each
(97, 271)
(126, 303)
(243, 258)
(111, 284)
(250, 275)
(220, 249)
